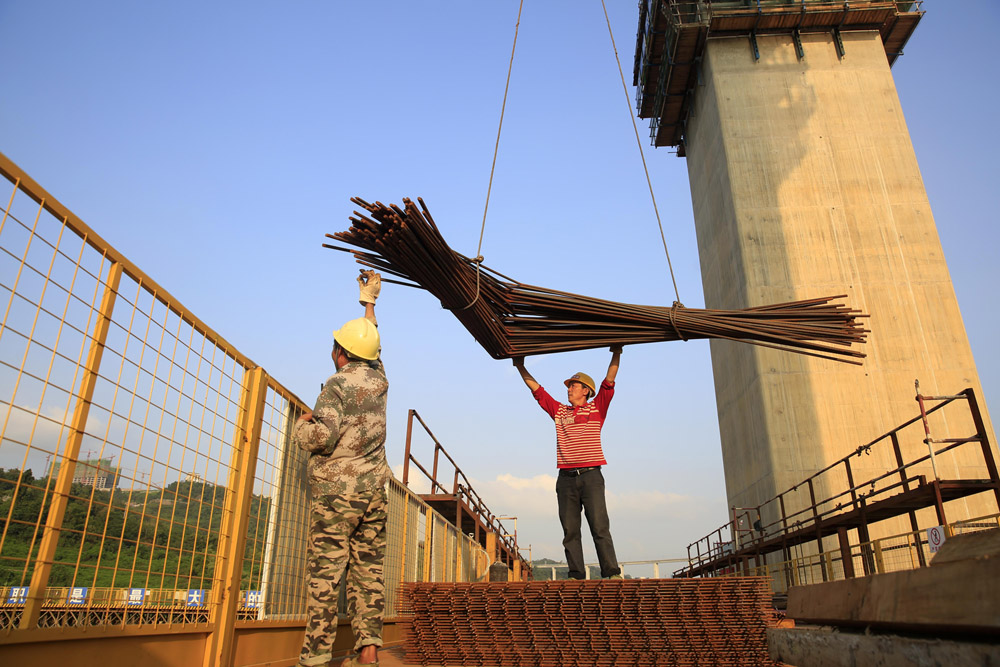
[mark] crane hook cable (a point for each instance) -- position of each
(479, 254)
(638, 142)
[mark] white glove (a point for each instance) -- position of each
(370, 283)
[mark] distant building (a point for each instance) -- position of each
(98, 473)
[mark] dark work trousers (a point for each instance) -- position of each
(585, 491)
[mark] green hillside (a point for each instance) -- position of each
(150, 538)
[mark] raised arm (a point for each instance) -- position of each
(370, 283)
(616, 354)
(525, 375)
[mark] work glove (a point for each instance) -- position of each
(370, 283)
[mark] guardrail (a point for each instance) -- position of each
(800, 514)
(464, 495)
(632, 569)
(905, 551)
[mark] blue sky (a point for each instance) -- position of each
(214, 144)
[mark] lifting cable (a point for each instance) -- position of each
(649, 182)
(478, 260)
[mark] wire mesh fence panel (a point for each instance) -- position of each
(439, 547)
(469, 565)
(170, 404)
(898, 553)
(420, 543)
(416, 541)
(413, 556)
(274, 559)
(50, 291)
(810, 571)
(150, 465)
(397, 543)
(976, 525)
(453, 561)
(118, 416)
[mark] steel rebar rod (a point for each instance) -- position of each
(511, 319)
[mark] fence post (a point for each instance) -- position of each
(60, 494)
(984, 441)
(846, 559)
(457, 490)
(491, 547)
(915, 547)
(402, 550)
(406, 457)
(225, 595)
(428, 544)
(898, 452)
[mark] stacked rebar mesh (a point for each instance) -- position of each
(512, 319)
(719, 621)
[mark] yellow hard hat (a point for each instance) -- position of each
(359, 337)
(585, 379)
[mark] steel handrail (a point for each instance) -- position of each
(793, 522)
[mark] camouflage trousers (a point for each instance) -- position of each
(348, 532)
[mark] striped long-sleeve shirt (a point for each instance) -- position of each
(578, 428)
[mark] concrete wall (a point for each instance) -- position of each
(805, 184)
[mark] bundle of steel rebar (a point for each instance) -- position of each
(513, 319)
(718, 621)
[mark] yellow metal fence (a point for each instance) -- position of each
(146, 473)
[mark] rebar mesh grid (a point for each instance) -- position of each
(675, 622)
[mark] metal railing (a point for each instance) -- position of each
(801, 508)
(896, 553)
(485, 521)
(632, 569)
(146, 469)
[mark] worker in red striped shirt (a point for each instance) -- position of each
(579, 458)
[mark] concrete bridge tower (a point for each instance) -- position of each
(805, 184)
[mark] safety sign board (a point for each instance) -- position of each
(935, 538)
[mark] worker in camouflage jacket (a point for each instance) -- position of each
(345, 436)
